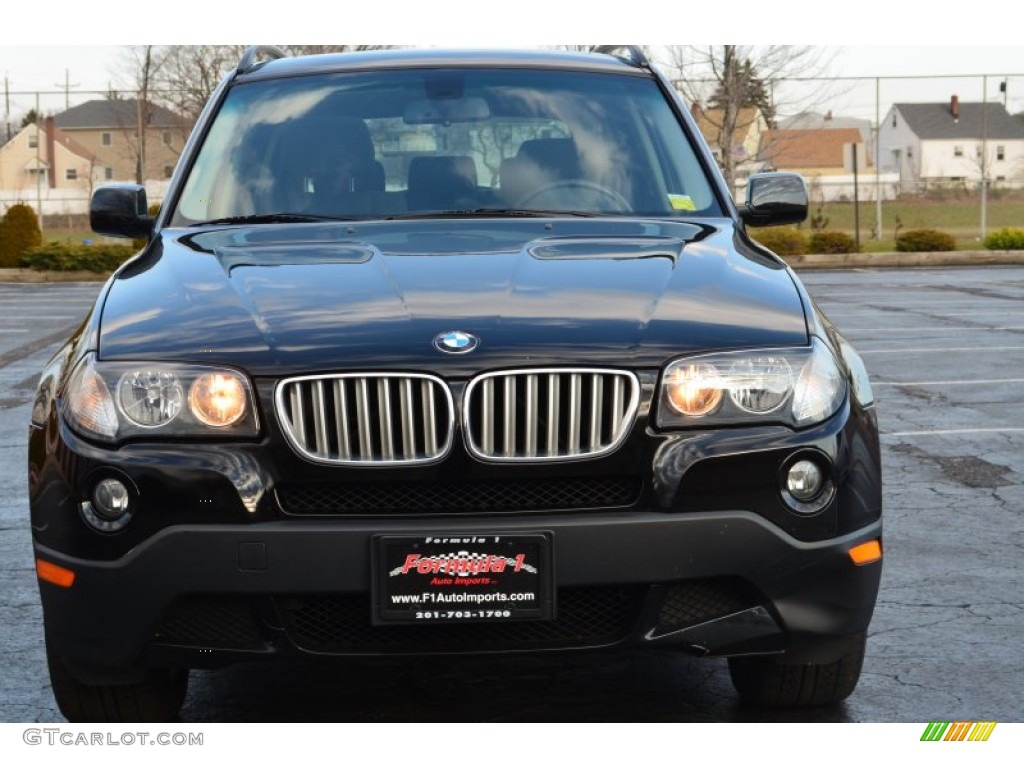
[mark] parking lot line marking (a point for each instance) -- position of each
(958, 313)
(936, 330)
(964, 382)
(972, 431)
(908, 350)
(37, 318)
(873, 292)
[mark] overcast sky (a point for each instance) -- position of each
(36, 51)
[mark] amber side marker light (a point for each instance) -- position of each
(54, 574)
(868, 552)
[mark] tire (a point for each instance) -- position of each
(157, 698)
(768, 681)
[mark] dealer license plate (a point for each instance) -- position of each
(446, 578)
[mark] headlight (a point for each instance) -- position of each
(150, 397)
(149, 400)
(693, 389)
(217, 399)
(793, 386)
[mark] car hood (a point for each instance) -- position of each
(317, 297)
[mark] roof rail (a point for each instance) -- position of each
(634, 53)
(255, 55)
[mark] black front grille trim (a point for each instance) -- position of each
(586, 617)
(689, 603)
(485, 496)
(210, 622)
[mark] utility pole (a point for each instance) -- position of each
(984, 156)
(7, 108)
(39, 192)
(878, 155)
(67, 89)
(856, 200)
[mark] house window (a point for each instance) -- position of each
(71, 174)
(1000, 152)
(106, 139)
(33, 141)
(167, 138)
(893, 119)
(958, 151)
(168, 170)
(910, 152)
(108, 174)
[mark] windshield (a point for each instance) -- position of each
(423, 142)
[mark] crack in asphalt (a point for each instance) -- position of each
(982, 293)
(970, 471)
(922, 394)
(945, 691)
(29, 383)
(881, 632)
(31, 347)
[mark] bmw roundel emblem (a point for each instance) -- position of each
(456, 342)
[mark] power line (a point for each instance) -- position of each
(67, 88)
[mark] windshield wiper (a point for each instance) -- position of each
(272, 218)
(527, 213)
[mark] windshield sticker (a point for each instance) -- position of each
(681, 203)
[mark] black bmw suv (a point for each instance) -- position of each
(451, 352)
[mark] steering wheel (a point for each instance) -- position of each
(619, 203)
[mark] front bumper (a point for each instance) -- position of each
(217, 568)
(719, 583)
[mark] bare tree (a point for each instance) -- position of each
(139, 69)
(308, 50)
(645, 49)
(191, 73)
(727, 78)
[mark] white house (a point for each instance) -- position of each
(945, 143)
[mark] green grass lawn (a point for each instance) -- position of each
(68, 236)
(960, 217)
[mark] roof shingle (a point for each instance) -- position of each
(113, 113)
(935, 121)
(822, 148)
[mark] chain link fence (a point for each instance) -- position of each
(56, 175)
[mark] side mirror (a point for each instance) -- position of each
(119, 210)
(774, 199)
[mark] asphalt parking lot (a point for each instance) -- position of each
(946, 352)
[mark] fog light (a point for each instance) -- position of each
(110, 507)
(110, 499)
(804, 480)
